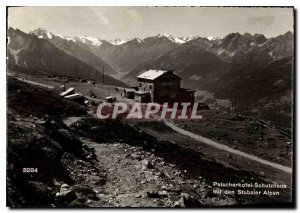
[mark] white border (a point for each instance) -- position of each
(4, 3)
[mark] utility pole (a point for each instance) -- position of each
(137, 80)
(103, 74)
(235, 101)
(230, 101)
(76, 72)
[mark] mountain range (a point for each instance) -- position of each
(38, 55)
(203, 63)
(71, 48)
(256, 68)
(222, 65)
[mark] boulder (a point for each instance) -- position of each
(187, 201)
(153, 194)
(146, 164)
(163, 193)
(66, 194)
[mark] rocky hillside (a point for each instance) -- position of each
(58, 155)
(93, 163)
(40, 147)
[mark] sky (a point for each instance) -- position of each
(131, 22)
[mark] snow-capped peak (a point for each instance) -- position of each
(138, 40)
(89, 40)
(170, 37)
(83, 39)
(189, 38)
(179, 40)
(213, 38)
(69, 38)
(118, 41)
(42, 33)
(165, 35)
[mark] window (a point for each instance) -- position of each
(140, 84)
(150, 87)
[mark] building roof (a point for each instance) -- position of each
(73, 96)
(152, 74)
(130, 90)
(110, 97)
(142, 92)
(68, 91)
(59, 87)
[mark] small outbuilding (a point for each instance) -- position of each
(164, 86)
(76, 97)
(143, 96)
(69, 91)
(129, 93)
(110, 99)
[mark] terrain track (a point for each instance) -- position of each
(226, 148)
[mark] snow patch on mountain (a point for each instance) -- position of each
(15, 54)
(43, 62)
(42, 33)
(271, 54)
(179, 40)
(175, 39)
(49, 35)
(83, 39)
(165, 36)
(90, 40)
(69, 38)
(182, 40)
(139, 40)
(118, 42)
(213, 38)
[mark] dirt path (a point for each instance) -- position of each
(226, 148)
(138, 178)
(36, 83)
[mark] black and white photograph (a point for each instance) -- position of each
(150, 107)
